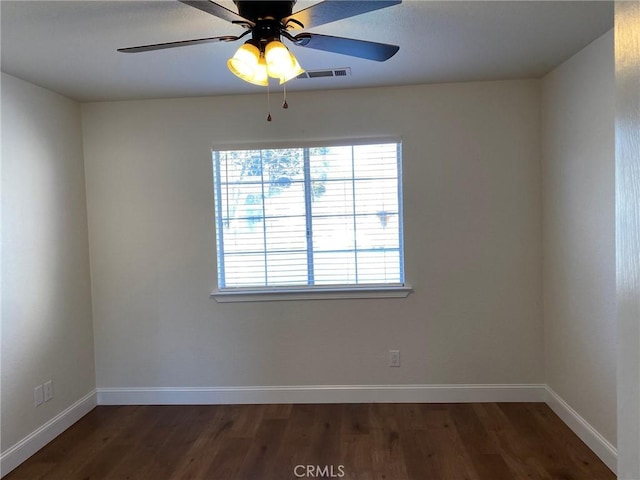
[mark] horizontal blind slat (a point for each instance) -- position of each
(354, 216)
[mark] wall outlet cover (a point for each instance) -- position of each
(38, 396)
(48, 391)
(394, 358)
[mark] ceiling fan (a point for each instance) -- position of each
(264, 55)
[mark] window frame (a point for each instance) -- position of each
(309, 292)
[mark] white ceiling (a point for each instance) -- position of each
(70, 46)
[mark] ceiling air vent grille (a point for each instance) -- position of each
(335, 72)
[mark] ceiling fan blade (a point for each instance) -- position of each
(219, 11)
(347, 46)
(182, 43)
(333, 10)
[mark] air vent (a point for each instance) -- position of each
(336, 72)
(320, 73)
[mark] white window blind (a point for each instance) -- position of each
(317, 216)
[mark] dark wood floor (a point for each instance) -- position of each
(360, 441)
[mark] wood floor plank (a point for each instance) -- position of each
(277, 411)
(355, 455)
(554, 461)
(515, 452)
(246, 421)
(355, 419)
(435, 416)
(228, 459)
(106, 424)
(33, 471)
(141, 441)
(469, 425)
(387, 457)
(567, 441)
(184, 431)
(446, 446)
(198, 459)
(296, 443)
(411, 417)
(260, 459)
(325, 440)
(48, 459)
(486, 441)
(484, 453)
(419, 461)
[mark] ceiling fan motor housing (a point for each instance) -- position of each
(260, 10)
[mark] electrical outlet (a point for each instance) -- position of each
(38, 396)
(394, 358)
(48, 390)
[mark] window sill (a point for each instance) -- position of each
(317, 293)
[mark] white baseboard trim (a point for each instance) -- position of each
(322, 394)
(33, 442)
(589, 435)
(26, 447)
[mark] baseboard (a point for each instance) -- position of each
(22, 450)
(33, 442)
(322, 394)
(589, 435)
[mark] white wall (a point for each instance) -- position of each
(47, 331)
(627, 47)
(579, 233)
(472, 229)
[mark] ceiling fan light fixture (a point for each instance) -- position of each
(254, 66)
(295, 70)
(264, 55)
(260, 76)
(281, 63)
(278, 58)
(245, 63)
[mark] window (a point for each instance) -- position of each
(309, 219)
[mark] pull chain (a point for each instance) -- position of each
(268, 104)
(285, 104)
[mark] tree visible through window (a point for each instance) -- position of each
(320, 216)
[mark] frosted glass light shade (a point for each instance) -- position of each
(260, 76)
(278, 59)
(253, 66)
(245, 64)
(295, 70)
